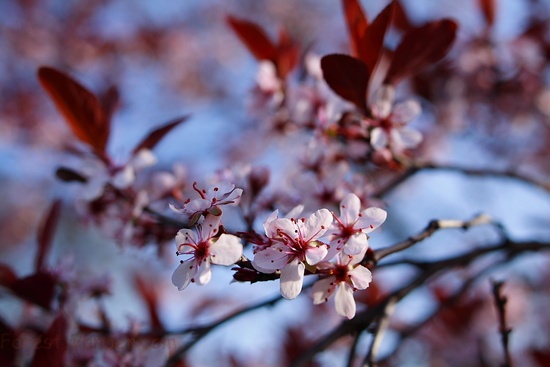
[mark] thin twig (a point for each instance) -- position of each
(504, 330)
(383, 324)
(430, 229)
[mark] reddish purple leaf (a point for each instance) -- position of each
(400, 18)
(488, 8)
(357, 25)
(287, 54)
(52, 346)
(348, 77)
(373, 39)
(150, 297)
(155, 136)
(110, 101)
(45, 234)
(420, 48)
(254, 38)
(79, 106)
(38, 289)
(9, 343)
(7, 276)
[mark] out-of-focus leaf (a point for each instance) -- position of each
(155, 136)
(38, 289)
(254, 38)
(52, 346)
(45, 234)
(149, 295)
(400, 18)
(8, 351)
(421, 47)
(347, 76)
(68, 175)
(488, 8)
(373, 38)
(79, 106)
(110, 100)
(357, 24)
(287, 54)
(7, 276)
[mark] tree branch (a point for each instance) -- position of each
(504, 330)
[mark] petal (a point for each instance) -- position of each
(204, 273)
(210, 226)
(370, 219)
(378, 138)
(271, 259)
(183, 274)
(383, 101)
(406, 137)
(270, 229)
(317, 224)
(356, 244)
(124, 178)
(176, 210)
(226, 250)
(344, 302)
(295, 212)
(219, 190)
(322, 290)
(197, 205)
(406, 111)
(349, 208)
(360, 277)
(314, 254)
(292, 278)
(232, 197)
(93, 189)
(285, 226)
(142, 159)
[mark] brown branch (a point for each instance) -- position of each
(381, 327)
(430, 229)
(504, 330)
(416, 167)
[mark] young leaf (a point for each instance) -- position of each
(9, 343)
(421, 47)
(7, 276)
(400, 18)
(488, 7)
(357, 25)
(45, 234)
(149, 296)
(110, 101)
(373, 39)
(52, 346)
(287, 54)
(79, 106)
(348, 77)
(254, 38)
(155, 136)
(38, 289)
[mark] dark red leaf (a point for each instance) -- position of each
(488, 7)
(287, 54)
(373, 39)
(150, 297)
(45, 234)
(38, 289)
(68, 175)
(400, 18)
(52, 346)
(348, 77)
(110, 101)
(79, 106)
(357, 24)
(254, 38)
(7, 276)
(9, 344)
(155, 136)
(421, 47)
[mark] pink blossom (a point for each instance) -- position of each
(349, 230)
(391, 130)
(295, 244)
(205, 249)
(344, 277)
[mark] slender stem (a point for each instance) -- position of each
(381, 327)
(504, 330)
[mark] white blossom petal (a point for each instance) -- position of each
(271, 259)
(356, 244)
(371, 218)
(317, 224)
(360, 277)
(124, 178)
(405, 138)
(316, 254)
(383, 101)
(209, 227)
(295, 212)
(323, 289)
(344, 302)
(204, 273)
(406, 111)
(226, 250)
(197, 205)
(292, 279)
(183, 274)
(142, 159)
(349, 208)
(378, 138)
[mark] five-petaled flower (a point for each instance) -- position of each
(342, 278)
(205, 248)
(390, 122)
(295, 244)
(349, 230)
